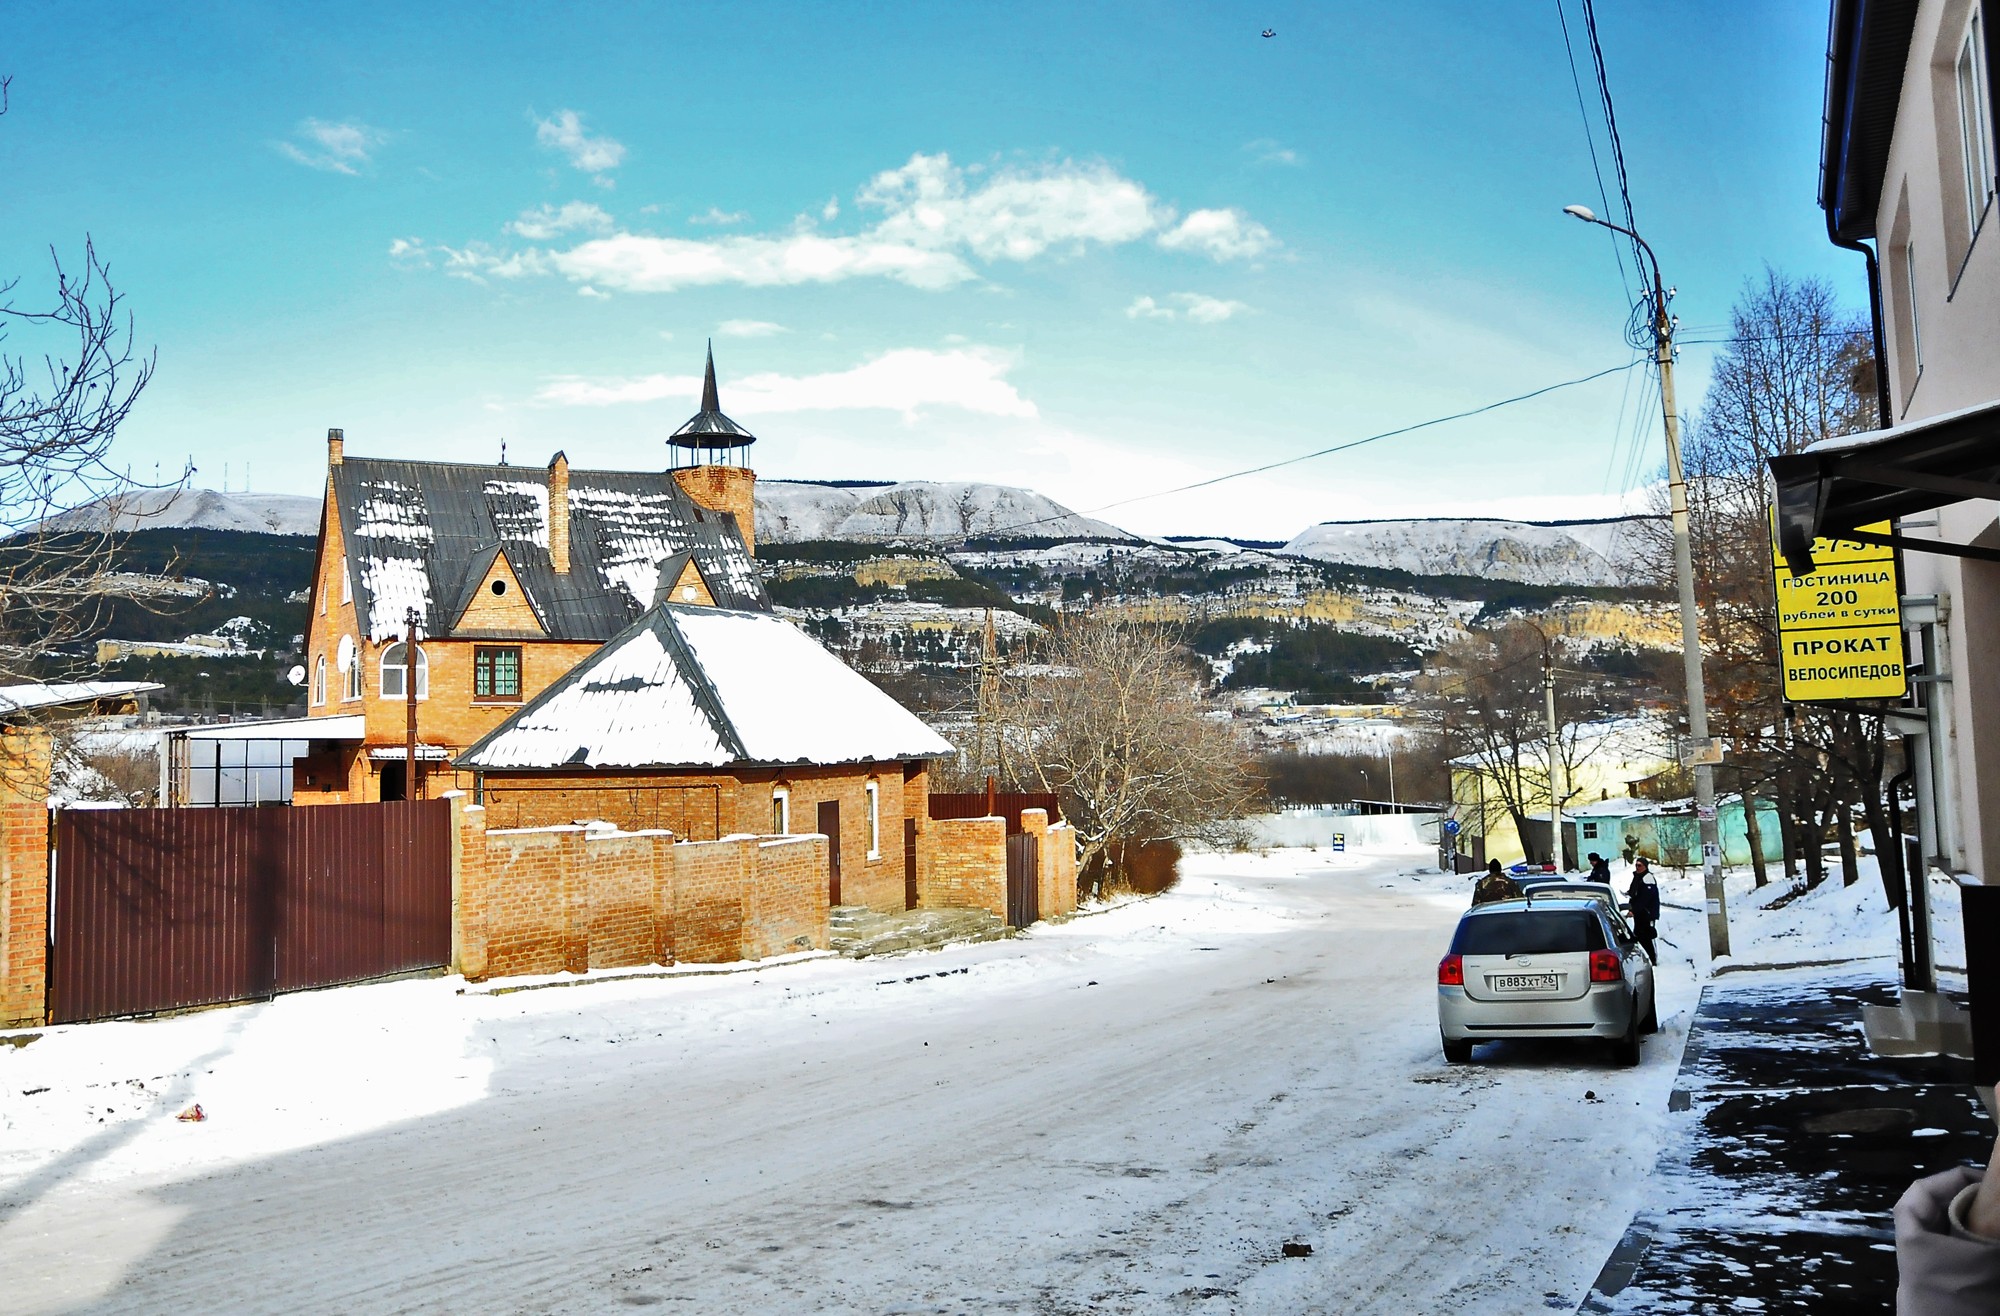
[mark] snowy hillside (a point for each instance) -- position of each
(915, 509)
(1566, 553)
(196, 509)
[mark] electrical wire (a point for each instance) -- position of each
(1305, 457)
(1590, 140)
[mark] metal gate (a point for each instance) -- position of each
(161, 909)
(1023, 879)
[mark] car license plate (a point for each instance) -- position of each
(1524, 982)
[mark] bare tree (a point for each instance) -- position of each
(1485, 696)
(1111, 719)
(69, 376)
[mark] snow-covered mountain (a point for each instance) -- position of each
(916, 509)
(195, 509)
(1537, 553)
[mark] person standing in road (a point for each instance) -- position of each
(1494, 885)
(1642, 899)
(1600, 868)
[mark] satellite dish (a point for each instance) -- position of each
(297, 676)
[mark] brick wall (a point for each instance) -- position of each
(550, 899)
(24, 878)
(1055, 888)
(726, 489)
(967, 865)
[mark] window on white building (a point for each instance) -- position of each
(874, 792)
(781, 812)
(1975, 125)
(394, 668)
(1916, 321)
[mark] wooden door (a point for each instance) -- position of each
(829, 827)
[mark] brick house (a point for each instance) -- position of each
(712, 722)
(511, 577)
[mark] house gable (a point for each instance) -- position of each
(494, 602)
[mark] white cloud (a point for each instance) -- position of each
(749, 329)
(1265, 151)
(595, 156)
(718, 216)
(1208, 310)
(645, 264)
(475, 261)
(1015, 214)
(831, 210)
(587, 291)
(1198, 307)
(907, 380)
(1222, 234)
(546, 221)
(340, 148)
(935, 219)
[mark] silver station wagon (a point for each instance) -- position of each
(1544, 966)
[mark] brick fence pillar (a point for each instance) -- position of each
(470, 930)
(24, 877)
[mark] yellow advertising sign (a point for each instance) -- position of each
(1840, 630)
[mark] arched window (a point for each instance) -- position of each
(874, 792)
(781, 812)
(393, 671)
(349, 663)
(319, 679)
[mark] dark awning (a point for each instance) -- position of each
(1835, 487)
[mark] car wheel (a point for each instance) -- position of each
(1626, 1048)
(1457, 1053)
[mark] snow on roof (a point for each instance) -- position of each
(340, 726)
(27, 698)
(415, 531)
(689, 686)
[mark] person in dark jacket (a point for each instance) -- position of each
(1600, 868)
(1948, 1243)
(1494, 885)
(1642, 902)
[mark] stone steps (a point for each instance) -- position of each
(859, 932)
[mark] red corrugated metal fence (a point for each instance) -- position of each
(161, 909)
(1005, 804)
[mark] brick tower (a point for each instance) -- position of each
(709, 461)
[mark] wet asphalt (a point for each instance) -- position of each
(1789, 1146)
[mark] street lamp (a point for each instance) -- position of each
(1701, 752)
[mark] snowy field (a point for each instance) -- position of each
(1226, 1099)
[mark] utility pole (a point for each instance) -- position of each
(410, 778)
(1555, 756)
(989, 705)
(1701, 753)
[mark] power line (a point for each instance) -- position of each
(1611, 129)
(1309, 456)
(1590, 140)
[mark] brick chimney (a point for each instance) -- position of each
(559, 514)
(334, 446)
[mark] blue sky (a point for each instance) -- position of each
(1095, 250)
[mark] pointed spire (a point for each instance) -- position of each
(708, 430)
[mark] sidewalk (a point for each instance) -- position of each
(1790, 1144)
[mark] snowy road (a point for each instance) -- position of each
(1133, 1112)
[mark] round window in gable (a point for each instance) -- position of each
(499, 587)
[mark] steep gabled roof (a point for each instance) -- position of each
(415, 530)
(689, 686)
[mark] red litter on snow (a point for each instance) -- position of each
(192, 1115)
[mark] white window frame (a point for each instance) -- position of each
(384, 667)
(349, 663)
(1975, 124)
(781, 812)
(319, 680)
(873, 791)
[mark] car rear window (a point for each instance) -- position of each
(1529, 932)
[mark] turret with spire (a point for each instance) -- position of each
(708, 432)
(709, 459)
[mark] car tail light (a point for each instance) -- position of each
(1451, 971)
(1605, 966)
